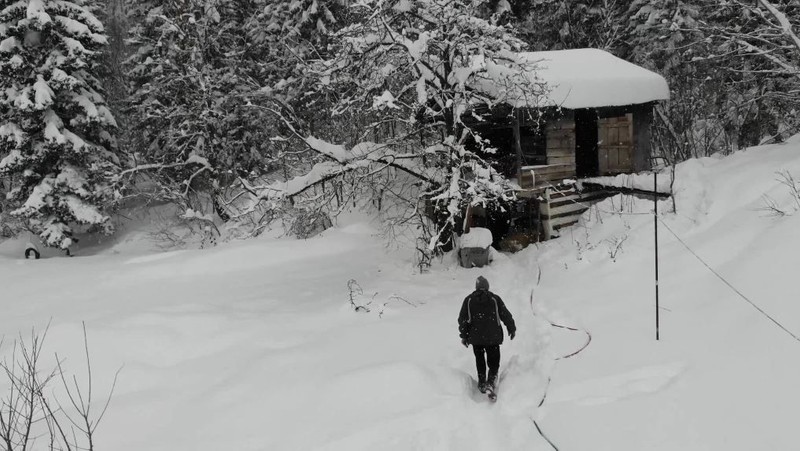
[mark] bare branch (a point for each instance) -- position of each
(785, 25)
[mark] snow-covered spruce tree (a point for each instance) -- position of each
(193, 71)
(56, 133)
(416, 70)
(290, 33)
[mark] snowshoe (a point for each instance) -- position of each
(491, 388)
(491, 393)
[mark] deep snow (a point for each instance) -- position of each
(255, 345)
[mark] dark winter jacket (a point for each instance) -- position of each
(480, 317)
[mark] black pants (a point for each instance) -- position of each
(484, 353)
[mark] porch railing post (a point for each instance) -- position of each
(518, 146)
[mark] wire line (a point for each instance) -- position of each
(550, 377)
(777, 323)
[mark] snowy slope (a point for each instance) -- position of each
(723, 377)
(254, 345)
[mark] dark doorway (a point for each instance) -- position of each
(586, 161)
(504, 159)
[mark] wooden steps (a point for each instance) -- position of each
(564, 207)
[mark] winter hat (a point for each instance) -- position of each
(482, 283)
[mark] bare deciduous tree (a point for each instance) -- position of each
(31, 410)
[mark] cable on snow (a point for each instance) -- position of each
(735, 290)
(549, 378)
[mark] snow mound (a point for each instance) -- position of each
(476, 237)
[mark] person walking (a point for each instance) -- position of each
(479, 326)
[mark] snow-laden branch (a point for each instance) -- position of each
(193, 159)
(342, 161)
(793, 70)
(783, 21)
(359, 156)
(769, 41)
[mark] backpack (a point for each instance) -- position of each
(496, 307)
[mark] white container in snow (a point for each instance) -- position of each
(473, 247)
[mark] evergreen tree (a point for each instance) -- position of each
(56, 133)
(290, 33)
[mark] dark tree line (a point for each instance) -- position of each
(242, 112)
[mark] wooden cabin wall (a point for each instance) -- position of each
(560, 153)
(623, 136)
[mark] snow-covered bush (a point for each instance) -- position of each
(307, 223)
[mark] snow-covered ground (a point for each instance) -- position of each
(255, 345)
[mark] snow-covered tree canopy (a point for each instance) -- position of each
(412, 71)
(428, 57)
(193, 73)
(55, 130)
(290, 33)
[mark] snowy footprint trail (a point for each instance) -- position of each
(255, 346)
(526, 361)
(443, 409)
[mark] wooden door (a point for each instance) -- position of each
(615, 149)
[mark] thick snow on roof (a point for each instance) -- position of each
(587, 78)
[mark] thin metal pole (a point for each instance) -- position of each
(655, 223)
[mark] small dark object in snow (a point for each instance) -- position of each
(32, 252)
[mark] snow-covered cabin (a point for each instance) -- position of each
(594, 120)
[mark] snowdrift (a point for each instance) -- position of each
(257, 345)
